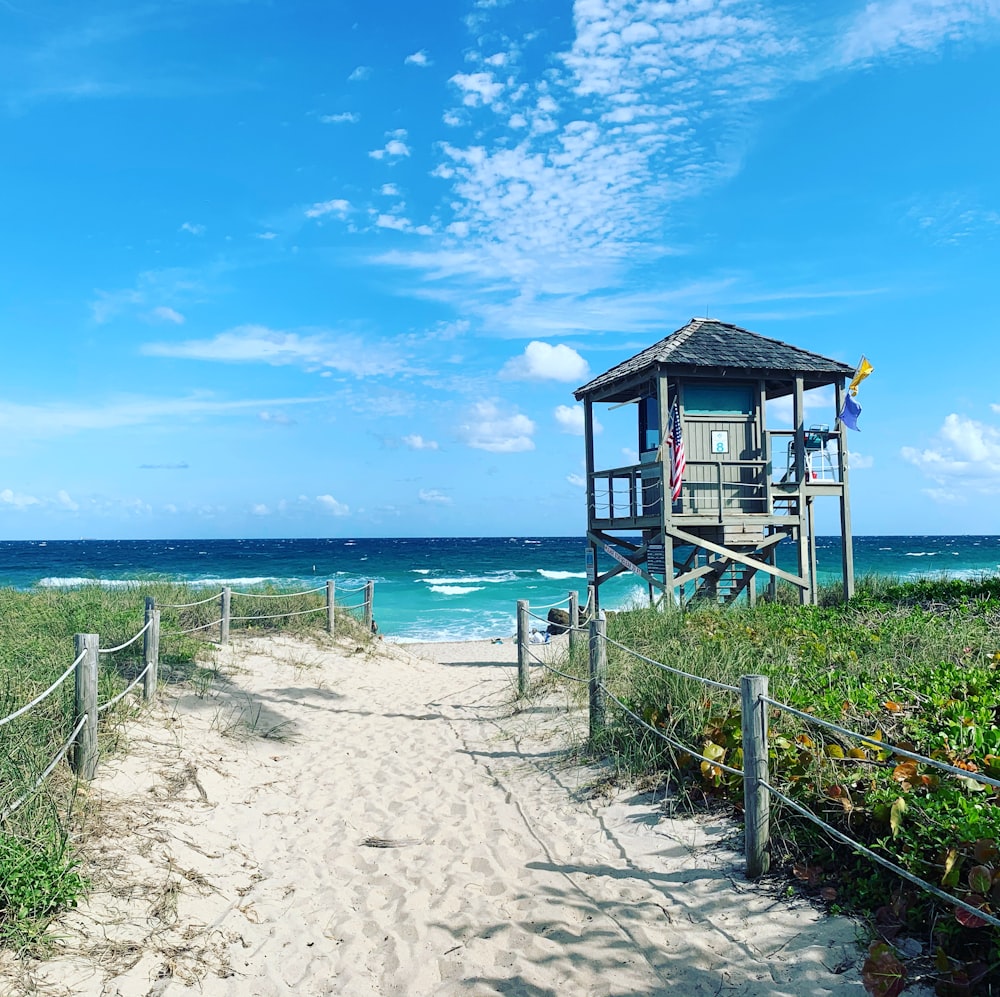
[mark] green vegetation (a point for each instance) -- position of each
(916, 665)
(39, 873)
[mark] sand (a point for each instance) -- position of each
(377, 819)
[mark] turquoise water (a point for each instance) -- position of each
(434, 589)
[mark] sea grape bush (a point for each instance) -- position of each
(914, 666)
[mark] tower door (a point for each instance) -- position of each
(722, 442)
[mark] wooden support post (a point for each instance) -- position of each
(331, 592)
(84, 757)
(756, 799)
(598, 673)
(224, 614)
(574, 621)
(592, 600)
(522, 647)
(369, 604)
(150, 650)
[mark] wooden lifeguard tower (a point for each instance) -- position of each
(744, 489)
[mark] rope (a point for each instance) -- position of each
(882, 746)
(204, 626)
(124, 692)
(541, 619)
(60, 755)
(666, 737)
(131, 640)
(552, 605)
(188, 605)
(280, 595)
(278, 616)
(351, 591)
(55, 685)
(676, 671)
(358, 606)
(916, 880)
(554, 670)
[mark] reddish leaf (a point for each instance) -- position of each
(828, 893)
(985, 850)
(811, 875)
(966, 918)
(891, 706)
(883, 974)
(980, 879)
(905, 772)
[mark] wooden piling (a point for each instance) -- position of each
(150, 650)
(331, 592)
(84, 755)
(756, 799)
(224, 613)
(598, 673)
(523, 662)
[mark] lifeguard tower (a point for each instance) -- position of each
(744, 488)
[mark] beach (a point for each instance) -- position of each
(366, 818)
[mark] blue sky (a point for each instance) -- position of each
(322, 268)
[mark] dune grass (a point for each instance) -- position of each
(39, 871)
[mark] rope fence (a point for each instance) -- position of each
(755, 702)
(81, 745)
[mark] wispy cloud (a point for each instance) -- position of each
(432, 496)
(341, 118)
(417, 442)
(182, 466)
(418, 59)
(321, 209)
(57, 420)
(360, 73)
(313, 351)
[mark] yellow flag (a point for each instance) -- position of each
(864, 369)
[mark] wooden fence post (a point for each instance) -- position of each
(150, 650)
(591, 600)
(369, 604)
(226, 603)
(574, 621)
(522, 647)
(756, 799)
(331, 592)
(598, 673)
(84, 757)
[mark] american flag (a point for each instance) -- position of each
(676, 443)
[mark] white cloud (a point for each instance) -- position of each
(193, 228)
(276, 418)
(389, 190)
(164, 314)
(64, 499)
(337, 207)
(331, 505)
(965, 456)
(570, 419)
(267, 235)
(543, 362)
(859, 462)
(17, 499)
(489, 428)
(397, 222)
(887, 26)
(417, 442)
(477, 88)
(434, 497)
(360, 73)
(314, 352)
(343, 118)
(395, 147)
(577, 480)
(418, 59)
(261, 510)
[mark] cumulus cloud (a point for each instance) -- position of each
(490, 428)
(963, 456)
(417, 442)
(477, 88)
(394, 148)
(332, 506)
(18, 500)
(570, 419)
(544, 362)
(193, 229)
(261, 510)
(418, 59)
(337, 206)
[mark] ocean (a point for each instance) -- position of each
(459, 588)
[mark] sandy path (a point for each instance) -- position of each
(234, 856)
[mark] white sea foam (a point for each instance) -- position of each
(456, 589)
(69, 583)
(921, 553)
(420, 571)
(558, 576)
(500, 578)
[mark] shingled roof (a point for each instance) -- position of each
(706, 347)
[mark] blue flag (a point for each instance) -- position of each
(850, 412)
